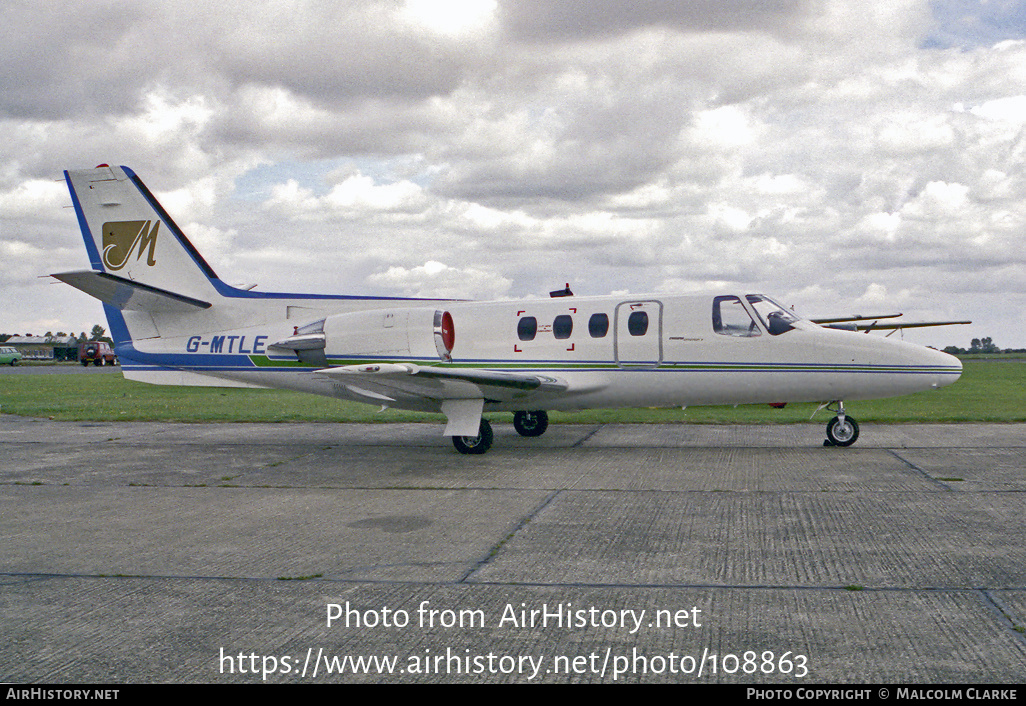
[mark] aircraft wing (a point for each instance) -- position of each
(859, 322)
(852, 317)
(439, 383)
(874, 326)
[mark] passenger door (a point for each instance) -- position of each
(639, 333)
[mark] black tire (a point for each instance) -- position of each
(840, 434)
(531, 423)
(475, 444)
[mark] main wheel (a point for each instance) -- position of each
(531, 423)
(842, 433)
(475, 444)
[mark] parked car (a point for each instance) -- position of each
(9, 356)
(97, 353)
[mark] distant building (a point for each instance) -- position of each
(45, 347)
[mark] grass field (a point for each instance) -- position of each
(989, 391)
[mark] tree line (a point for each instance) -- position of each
(982, 345)
(97, 333)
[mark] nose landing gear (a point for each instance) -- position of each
(842, 430)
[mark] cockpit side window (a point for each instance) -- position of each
(730, 318)
(775, 318)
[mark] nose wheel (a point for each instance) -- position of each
(842, 430)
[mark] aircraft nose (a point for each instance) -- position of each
(945, 368)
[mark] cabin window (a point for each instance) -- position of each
(637, 323)
(775, 318)
(563, 326)
(730, 318)
(527, 328)
(598, 325)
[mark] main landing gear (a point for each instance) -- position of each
(531, 423)
(842, 430)
(475, 444)
(526, 424)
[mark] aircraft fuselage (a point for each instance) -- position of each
(675, 359)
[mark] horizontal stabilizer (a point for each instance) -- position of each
(126, 295)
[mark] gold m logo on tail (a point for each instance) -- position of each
(122, 238)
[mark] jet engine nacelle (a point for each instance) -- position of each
(378, 333)
(386, 333)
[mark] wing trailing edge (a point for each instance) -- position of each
(484, 378)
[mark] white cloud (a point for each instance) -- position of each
(356, 197)
(455, 18)
(1011, 109)
(434, 279)
(936, 201)
(361, 192)
(33, 198)
(729, 127)
(876, 295)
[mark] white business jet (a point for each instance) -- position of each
(175, 322)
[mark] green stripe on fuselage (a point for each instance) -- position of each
(263, 361)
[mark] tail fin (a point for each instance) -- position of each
(134, 243)
(150, 278)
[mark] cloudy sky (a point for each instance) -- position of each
(842, 156)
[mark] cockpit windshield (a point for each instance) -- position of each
(774, 317)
